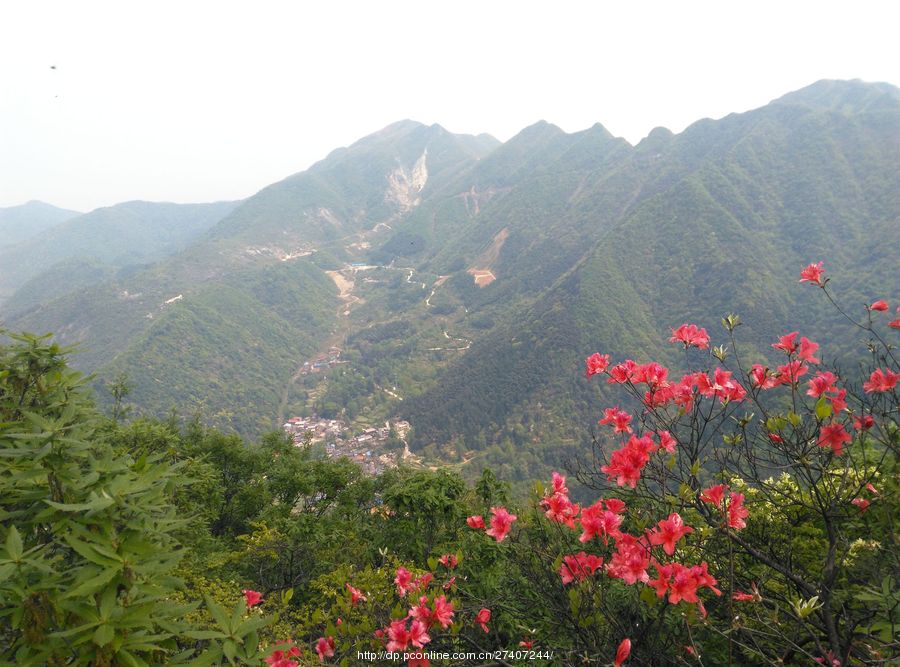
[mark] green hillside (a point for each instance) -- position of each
(727, 212)
(219, 328)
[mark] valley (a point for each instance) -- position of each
(457, 283)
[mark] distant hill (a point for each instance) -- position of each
(128, 234)
(20, 223)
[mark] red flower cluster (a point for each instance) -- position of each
(400, 637)
(881, 380)
(501, 522)
(597, 363)
(557, 505)
(735, 510)
(325, 648)
(579, 567)
(834, 435)
(669, 531)
(449, 561)
(625, 464)
(599, 522)
(630, 559)
(440, 614)
(284, 657)
(690, 335)
(619, 419)
(682, 582)
(406, 584)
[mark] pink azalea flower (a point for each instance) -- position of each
(714, 495)
(579, 567)
(619, 419)
(501, 522)
(597, 363)
(325, 648)
(838, 401)
(403, 580)
(482, 618)
(355, 595)
(812, 274)
(666, 441)
(449, 561)
(736, 511)
(669, 531)
(418, 634)
(398, 636)
(630, 560)
(252, 598)
(834, 435)
(807, 350)
(760, 377)
(625, 464)
(862, 504)
(476, 522)
(787, 343)
(559, 483)
(690, 334)
(881, 380)
(880, 305)
(820, 383)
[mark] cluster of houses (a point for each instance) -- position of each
(366, 448)
(322, 362)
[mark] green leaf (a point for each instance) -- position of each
(14, 544)
(238, 613)
(229, 648)
(103, 635)
(88, 552)
(218, 614)
(94, 584)
(250, 625)
(823, 409)
(108, 602)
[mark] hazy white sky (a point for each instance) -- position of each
(199, 101)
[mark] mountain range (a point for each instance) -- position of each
(459, 282)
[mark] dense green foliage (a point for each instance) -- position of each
(130, 543)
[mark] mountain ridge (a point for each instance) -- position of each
(582, 242)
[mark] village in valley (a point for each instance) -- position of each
(368, 446)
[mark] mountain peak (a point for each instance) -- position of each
(844, 95)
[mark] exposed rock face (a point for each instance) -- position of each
(404, 186)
